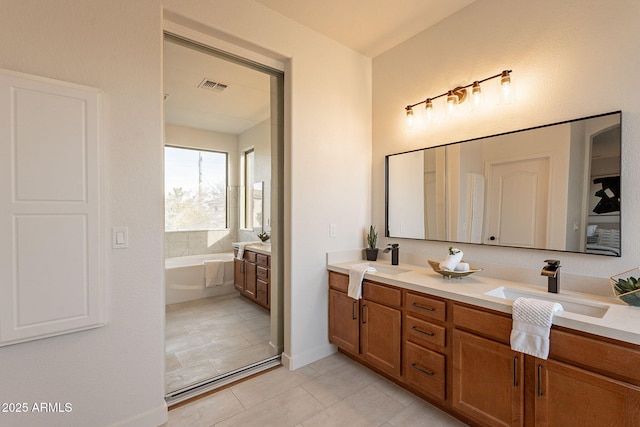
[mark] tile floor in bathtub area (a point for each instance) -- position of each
(211, 336)
(334, 391)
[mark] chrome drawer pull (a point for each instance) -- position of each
(423, 307)
(417, 368)
(422, 332)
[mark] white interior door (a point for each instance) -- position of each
(517, 203)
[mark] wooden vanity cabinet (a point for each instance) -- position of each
(263, 280)
(425, 344)
(252, 276)
(344, 315)
(585, 381)
(488, 377)
(380, 327)
(370, 328)
(569, 396)
(458, 356)
(238, 273)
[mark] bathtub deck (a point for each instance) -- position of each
(213, 336)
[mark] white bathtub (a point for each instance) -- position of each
(184, 277)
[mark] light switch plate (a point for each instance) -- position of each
(120, 237)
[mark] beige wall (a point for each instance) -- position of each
(114, 374)
(570, 59)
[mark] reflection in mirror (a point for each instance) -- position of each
(551, 187)
(257, 206)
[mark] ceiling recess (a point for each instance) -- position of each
(212, 85)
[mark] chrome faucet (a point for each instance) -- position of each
(552, 271)
(395, 252)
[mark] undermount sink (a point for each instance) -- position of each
(388, 269)
(568, 303)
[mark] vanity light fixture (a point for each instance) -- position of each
(459, 94)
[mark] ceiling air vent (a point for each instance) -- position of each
(211, 85)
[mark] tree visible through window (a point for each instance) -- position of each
(195, 185)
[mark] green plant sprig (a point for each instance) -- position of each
(372, 237)
(624, 286)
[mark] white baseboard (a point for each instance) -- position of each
(299, 360)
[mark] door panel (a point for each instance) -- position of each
(517, 203)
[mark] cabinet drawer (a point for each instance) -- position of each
(616, 360)
(339, 281)
(425, 370)
(382, 294)
(262, 273)
(424, 333)
(262, 260)
(426, 307)
(490, 325)
(250, 256)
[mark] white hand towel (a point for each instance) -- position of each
(463, 266)
(452, 260)
(356, 274)
(532, 320)
(213, 273)
(242, 246)
(240, 253)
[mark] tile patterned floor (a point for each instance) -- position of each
(212, 336)
(334, 391)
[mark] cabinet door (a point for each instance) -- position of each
(380, 327)
(250, 279)
(262, 293)
(238, 275)
(344, 321)
(487, 380)
(569, 396)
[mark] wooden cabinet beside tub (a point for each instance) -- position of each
(457, 356)
(252, 276)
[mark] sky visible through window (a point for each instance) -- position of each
(195, 189)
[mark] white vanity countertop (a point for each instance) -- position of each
(259, 247)
(621, 322)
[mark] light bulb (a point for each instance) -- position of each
(451, 101)
(476, 94)
(428, 109)
(409, 116)
(506, 88)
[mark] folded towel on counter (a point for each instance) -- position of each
(356, 274)
(242, 246)
(453, 259)
(213, 273)
(463, 266)
(532, 320)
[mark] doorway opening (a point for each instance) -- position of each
(223, 195)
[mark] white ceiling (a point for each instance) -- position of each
(242, 105)
(368, 26)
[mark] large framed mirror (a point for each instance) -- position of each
(554, 187)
